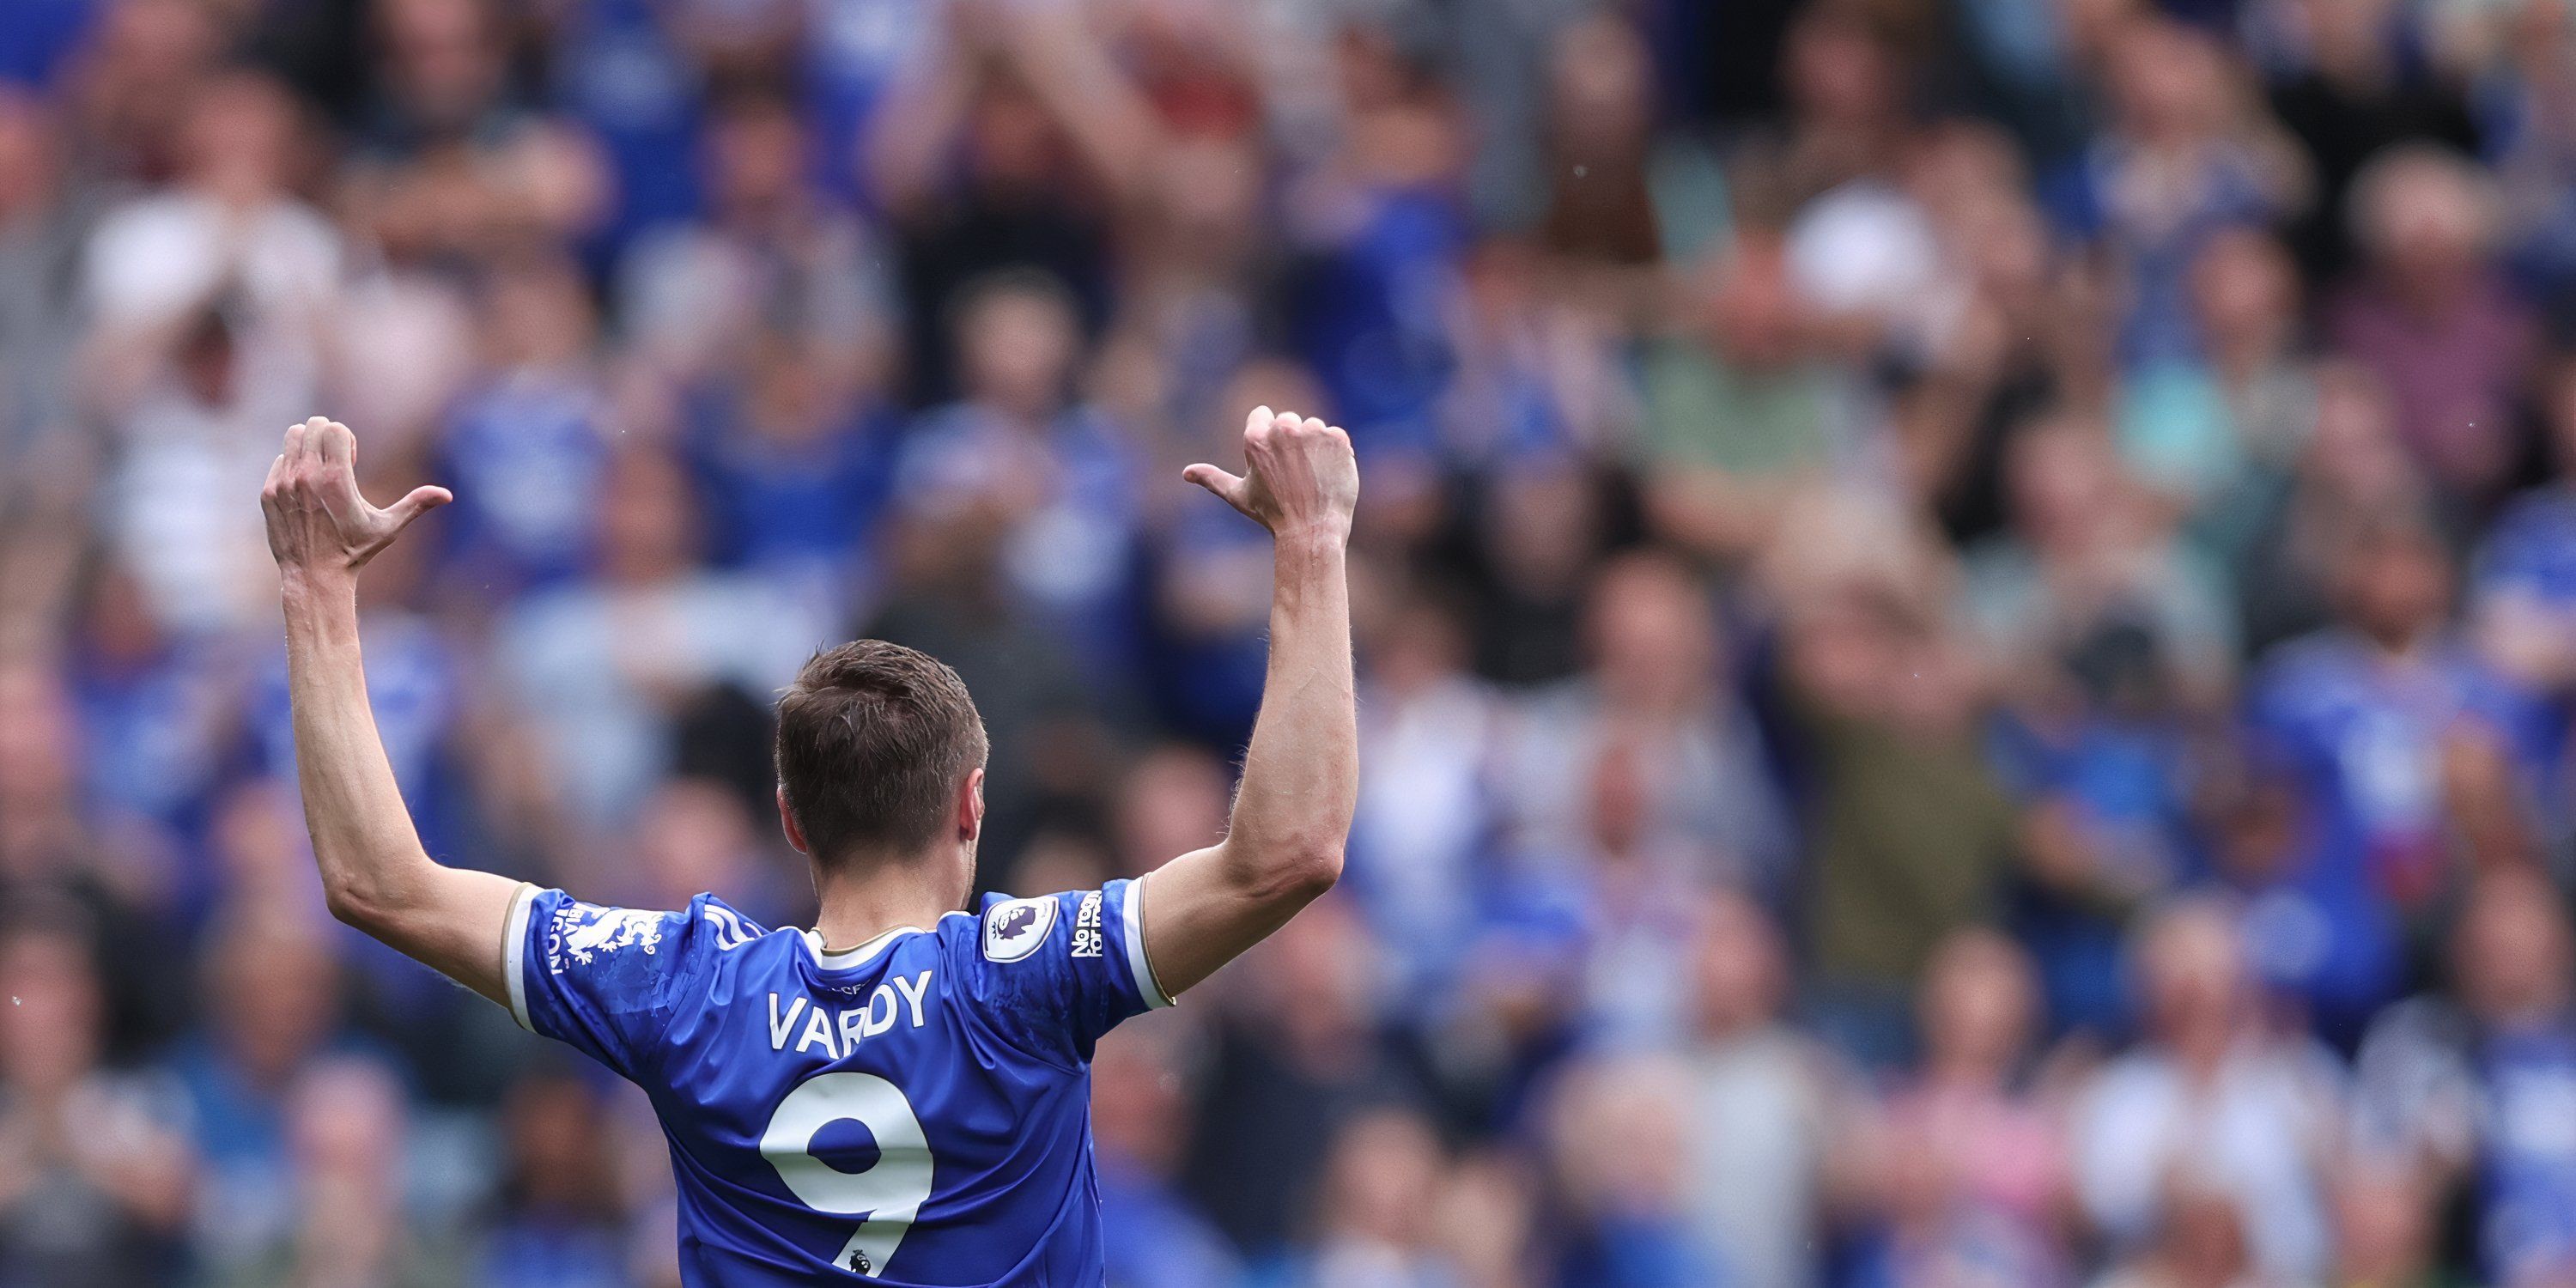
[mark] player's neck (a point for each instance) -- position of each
(871, 897)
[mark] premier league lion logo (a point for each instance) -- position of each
(1014, 928)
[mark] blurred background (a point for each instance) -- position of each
(1967, 608)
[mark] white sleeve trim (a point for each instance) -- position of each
(514, 953)
(1131, 917)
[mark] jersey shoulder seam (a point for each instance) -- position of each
(971, 948)
(691, 970)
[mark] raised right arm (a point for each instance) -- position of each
(1292, 814)
(374, 872)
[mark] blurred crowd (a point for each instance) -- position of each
(1967, 608)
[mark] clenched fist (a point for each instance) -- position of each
(317, 522)
(1299, 477)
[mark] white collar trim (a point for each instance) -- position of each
(849, 957)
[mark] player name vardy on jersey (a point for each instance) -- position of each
(866, 1148)
(838, 1031)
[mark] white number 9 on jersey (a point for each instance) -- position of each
(889, 1192)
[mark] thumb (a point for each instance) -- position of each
(1228, 488)
(417, 502)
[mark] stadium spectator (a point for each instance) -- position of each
(2212, 436)
(1647, 761)
(559, 1214)
(2452, 1083)
(1059, 475)
(1740, 408)
(1010, 146)
(1420, 847)
(1623, 1163)
(273, 1001)
(2431, 315)
(1156, 1237)
(1377, 1203)
(769, 258)
(96, 1187)
(2342, 80)
(2352, 468)
(2209, 1146)
(1767, 1108)
(2087, 555)
(1909, 835)
(2381, 732)
(1973, 1163)
(601, 667)
(794, 452)
(2186, 152)
(345, 1122)
(1298, 1030)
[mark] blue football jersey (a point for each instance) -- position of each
(914, 1111)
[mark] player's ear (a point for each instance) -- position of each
(787, 822)
(970, 806)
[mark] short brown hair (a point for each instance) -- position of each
(873, 741)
